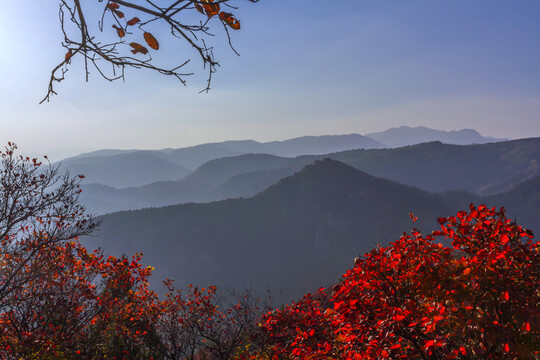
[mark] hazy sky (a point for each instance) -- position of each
(307, 67)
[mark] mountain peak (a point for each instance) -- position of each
(323, 176)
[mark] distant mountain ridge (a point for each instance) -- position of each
(106, 167)
(405, 136)
(435, 167)
(120, 168)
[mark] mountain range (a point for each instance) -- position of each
(131, 168)
(105, 166)
(482, 169)
(295, 236)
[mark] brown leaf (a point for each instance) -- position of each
(138, 48)
(210, 8)
(151, 41)
(230, 20)
(121, 33)
(119, 14)
(69, 54)
(133, 21)
(199, 8)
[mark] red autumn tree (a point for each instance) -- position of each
(57, 301)
(417, 298)
(39, 210)
(83, 306)
(111, 36)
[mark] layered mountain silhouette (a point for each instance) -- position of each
(215, 180)
(293, 237)
(128, 168)
(435, 167)
(405, 135)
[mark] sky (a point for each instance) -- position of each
(306, 67)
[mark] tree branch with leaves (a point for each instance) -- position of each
(191, 22)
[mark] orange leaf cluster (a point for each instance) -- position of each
(211, 8)
(208, 7)
(137, 48)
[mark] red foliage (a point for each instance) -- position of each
(78, 300)
(300, 329)
(56, 299)
(417, 298)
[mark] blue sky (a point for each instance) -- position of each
(307, 67)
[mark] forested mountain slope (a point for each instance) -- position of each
(295, 236)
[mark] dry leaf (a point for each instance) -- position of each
(151, 41)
